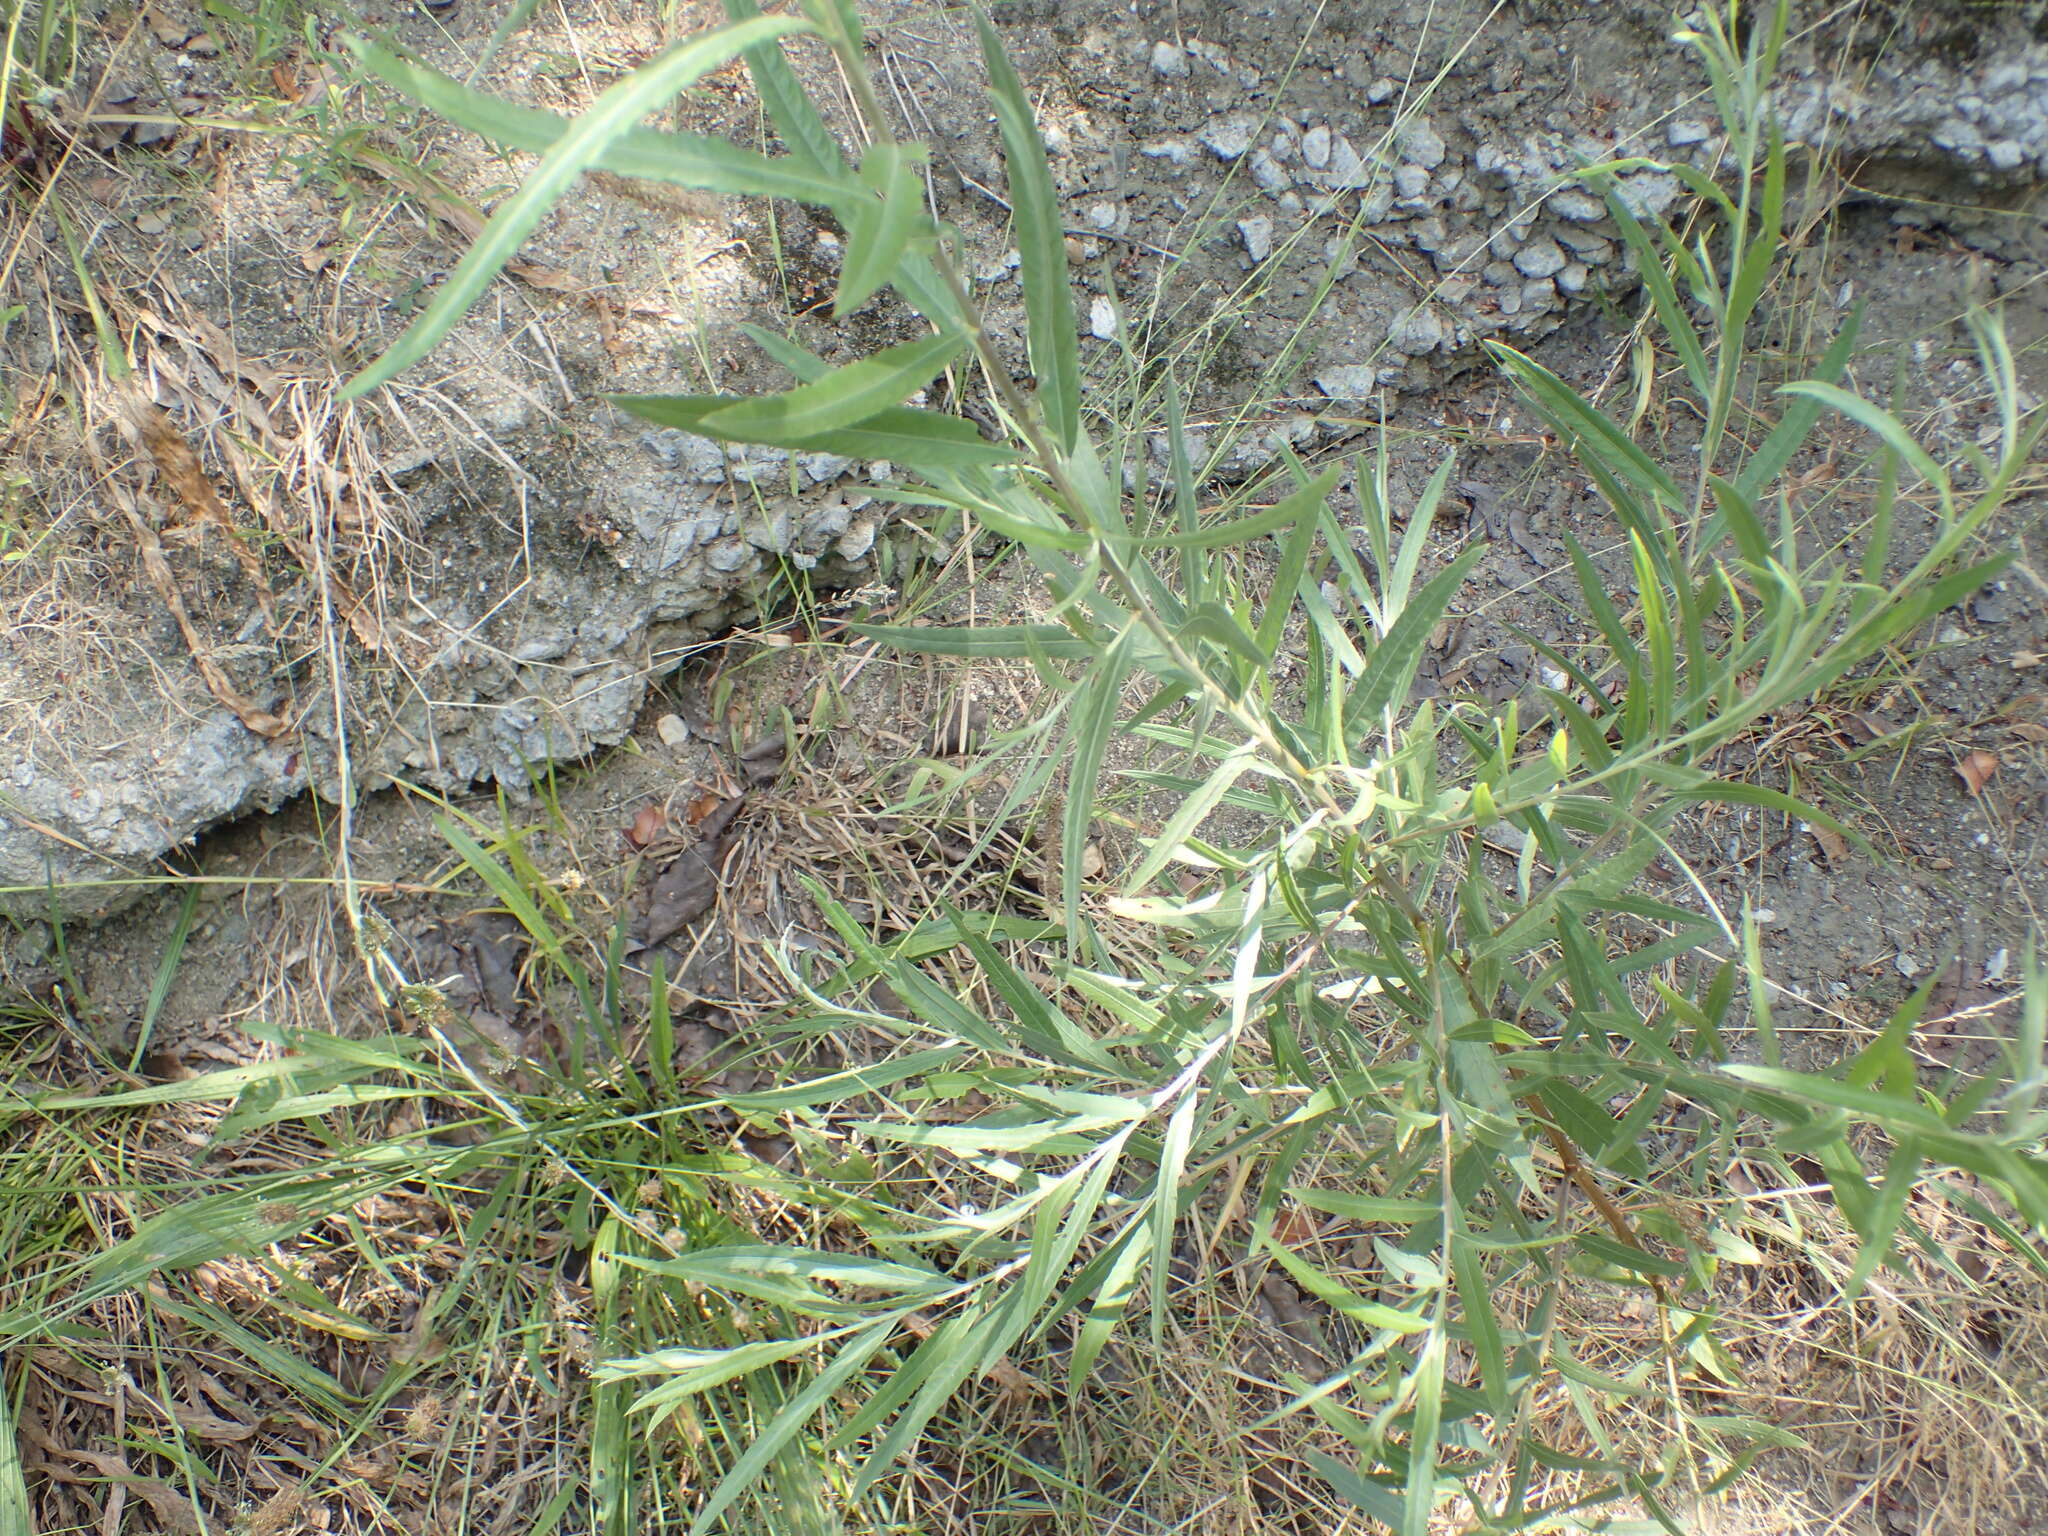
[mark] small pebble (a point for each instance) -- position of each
(1102, 319)
(672, 731)
(1230, 138)
(1907, 965)
(1170, 60)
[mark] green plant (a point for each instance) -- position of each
(1431, 948)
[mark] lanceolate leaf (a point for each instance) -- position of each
(802, 129)
(842, 398)
(1095, 715)
(684, 159)
(1390, 668)
(880, 227)
(575, 152)
(1041, 244)
(925, 440)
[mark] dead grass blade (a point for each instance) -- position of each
(180, 470)
(157, 567)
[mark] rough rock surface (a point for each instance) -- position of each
(541, 558)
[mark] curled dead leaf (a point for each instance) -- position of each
(1976, 769)
(1833, 846)
(648, 823)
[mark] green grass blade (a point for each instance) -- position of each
(1055, 342)
(16, 1514)
(1019, 641)
(789, 1422)
(576, 151)
(166, 973)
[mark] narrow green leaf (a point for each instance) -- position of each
(1121, 1263)
(924, 440)
(843, 398)
(880, 227)
(1368, 1208)
(1012, 640)
(1887, 427)
(1095, 713)
(1607, 1250)
(803, 130)
(1428, 1385)
(1476, 1296)
(1776, 451)
(805, 365)
(1390, 668)
(1304, 507)
(691, 1371)
(681, 159)
(1054, 340)
(1602, 445)
(1885, 1214)
(16, 1513)
(768, 1442)
(1193, 810)
(1173, 1157)
(568, 157)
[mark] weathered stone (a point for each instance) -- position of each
(1229, 139)
(1420, 144)
(1539, 258)
(1257, 235)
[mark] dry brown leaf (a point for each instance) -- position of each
(648, 824)
(174, 1512)
(1976, 769)
(1294, 1228)
(1833, 846)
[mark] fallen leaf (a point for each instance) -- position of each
(1833, 846)
(648, 824)
(688, 888)
(1976, 769)
(1294, 1228)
